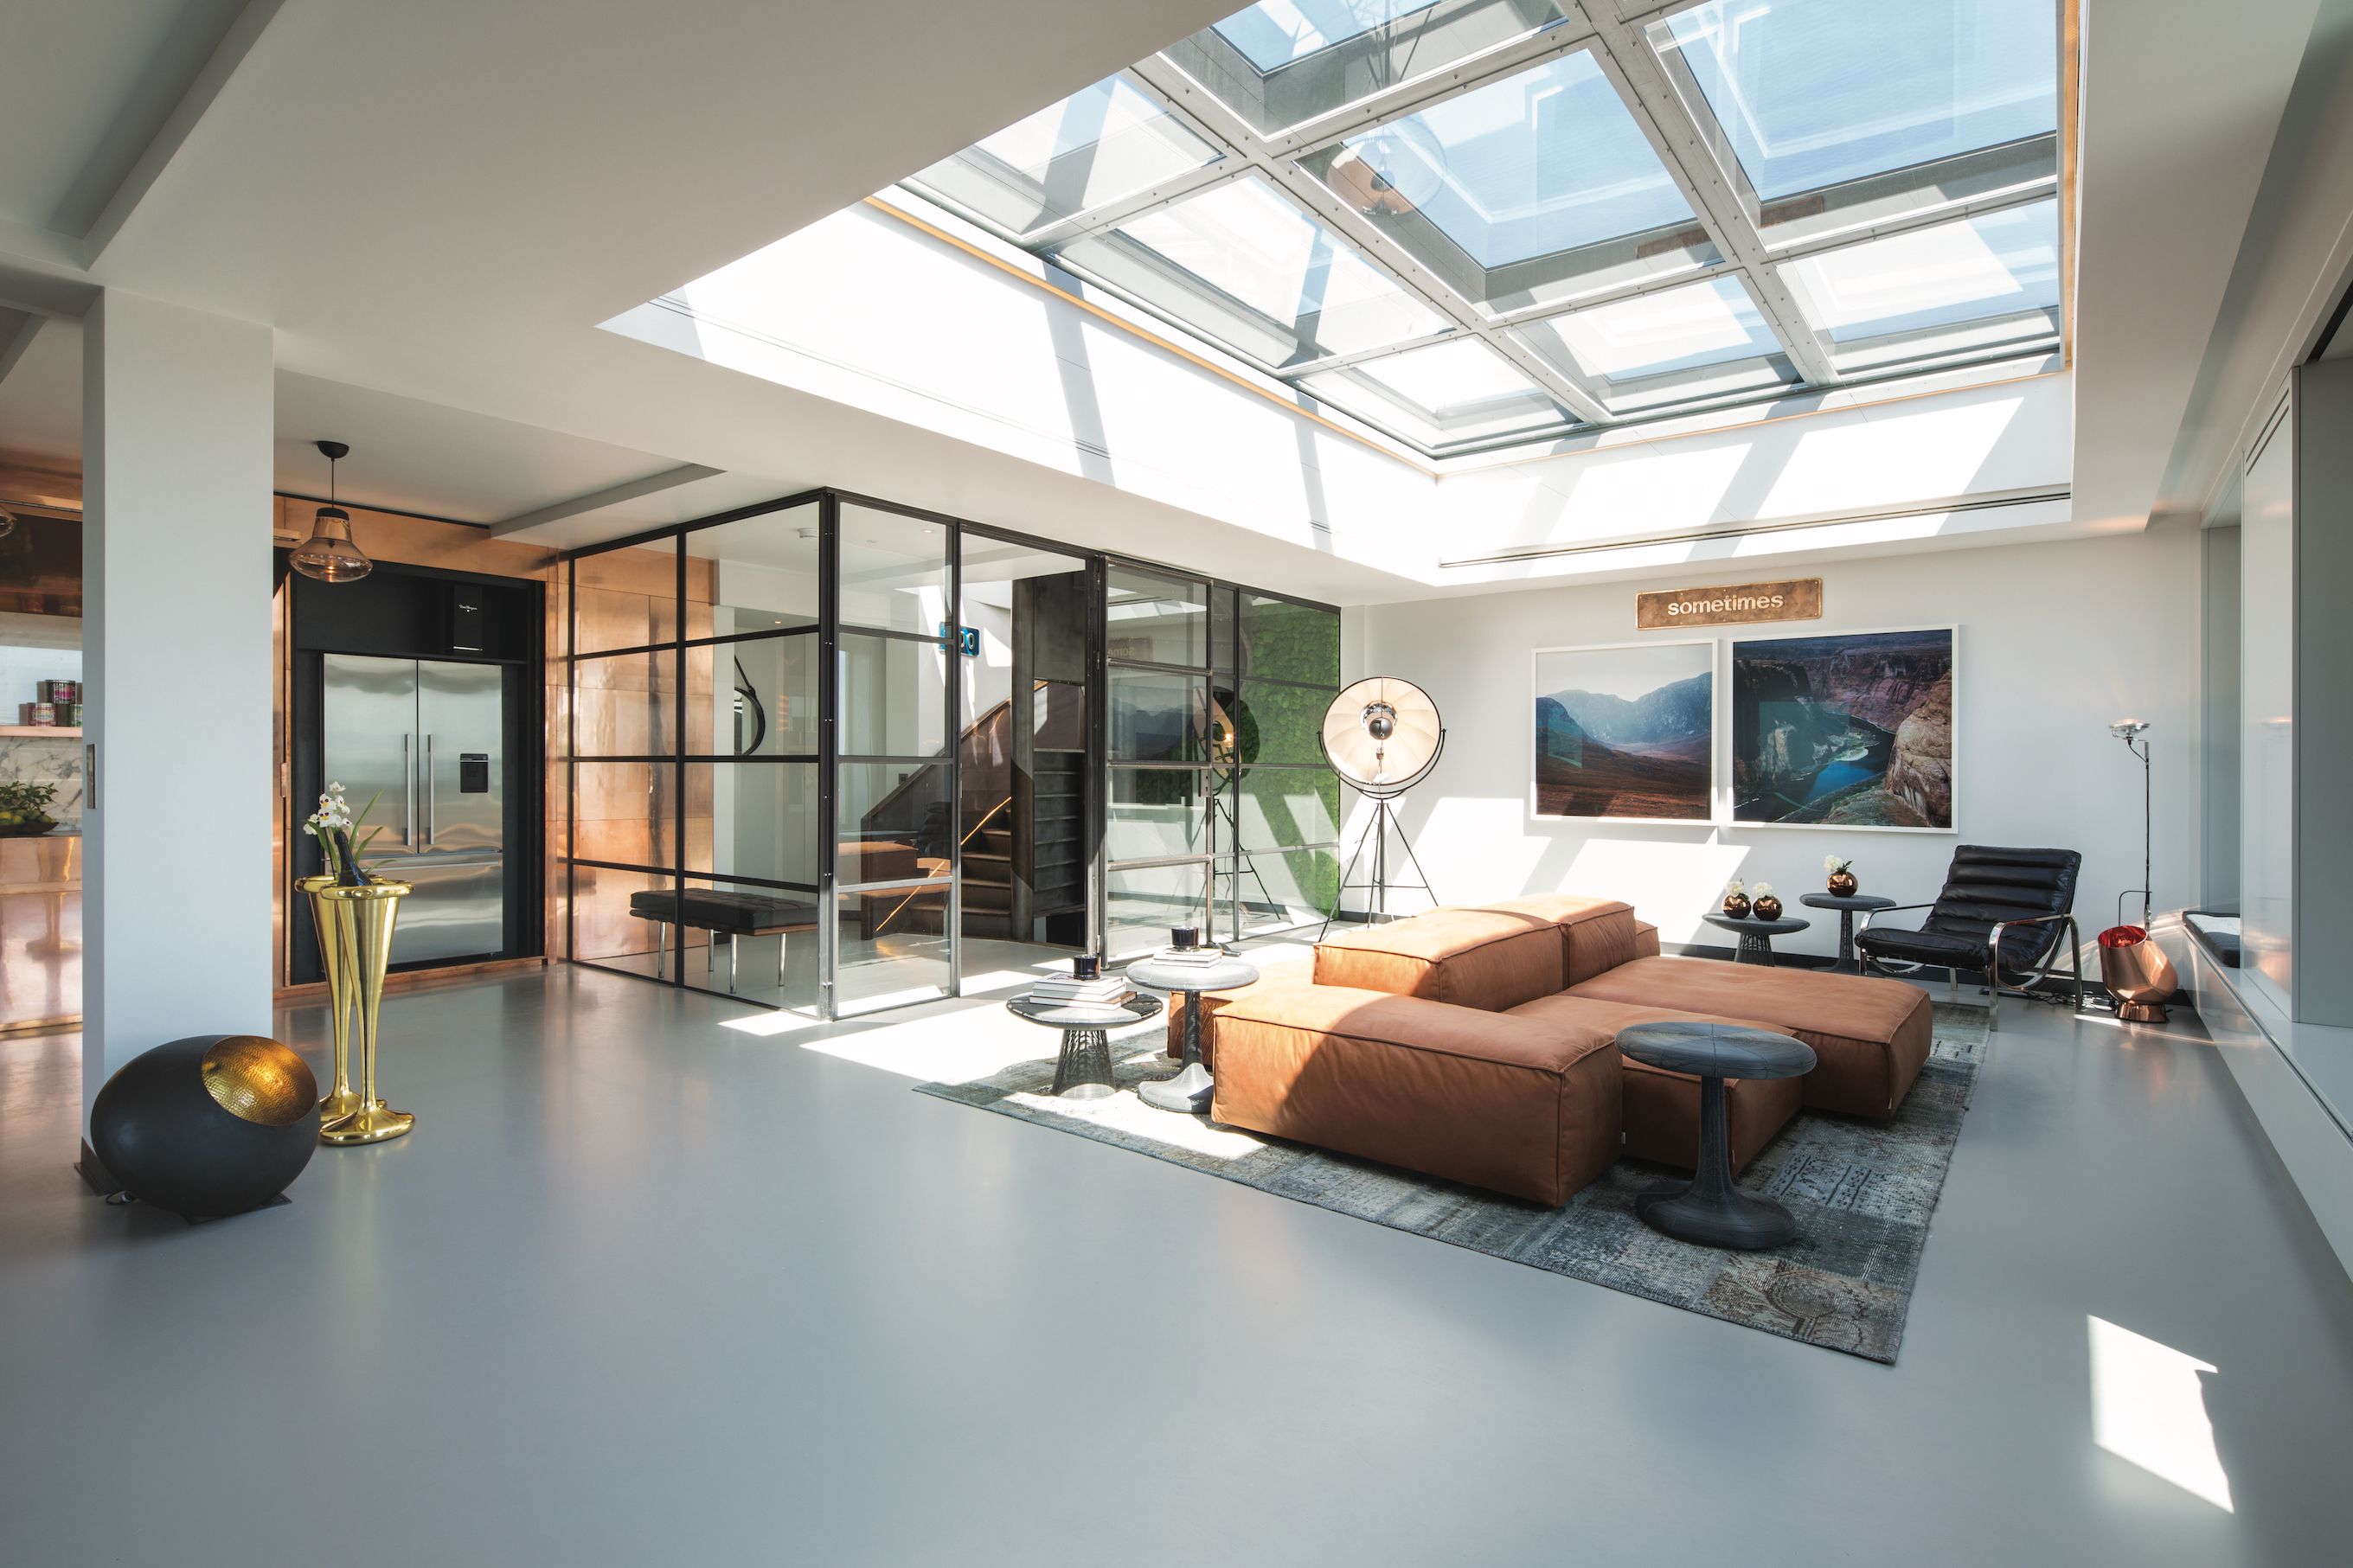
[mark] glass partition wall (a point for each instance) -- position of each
(837, 756)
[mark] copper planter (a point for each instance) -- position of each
(2140, 978)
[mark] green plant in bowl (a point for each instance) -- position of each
(22, 812)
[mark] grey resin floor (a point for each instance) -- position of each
(646, 1290)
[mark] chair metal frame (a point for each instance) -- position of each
(1992, 970)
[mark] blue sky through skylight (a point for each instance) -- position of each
(1816, 92)
(1545, 160)
(1279, 31)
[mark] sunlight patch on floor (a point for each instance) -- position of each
(2149, 1408)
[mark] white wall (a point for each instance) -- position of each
(2056, 641)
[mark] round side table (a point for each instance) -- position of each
(1709, 1209)
(1846, 908)
(1755, 936)
(1188, 1091)
(1083, 1069)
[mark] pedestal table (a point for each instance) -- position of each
(1189, 1089)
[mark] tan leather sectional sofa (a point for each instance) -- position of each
(1479, 1044)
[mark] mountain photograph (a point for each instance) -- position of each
(1626, 732)
(1844, 731)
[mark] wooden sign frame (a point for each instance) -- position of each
(1797, 599)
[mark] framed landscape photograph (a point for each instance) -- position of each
(1626, 732)
(1853, 730)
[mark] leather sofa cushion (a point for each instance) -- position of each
(1528, 1107)
(1646, 940)
(1487, 959)
(1660, 1114)
(1598, 934)
(1871, 1035)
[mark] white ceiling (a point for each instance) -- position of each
(435, 202)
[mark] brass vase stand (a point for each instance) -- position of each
(356, 944)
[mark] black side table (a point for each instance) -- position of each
(1756, 937)
(1709, 1209)
(1846, 908)
(1188, 1091)
(1083, 1069)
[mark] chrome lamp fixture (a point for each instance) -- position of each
(2129, 730)
(1382, 736)
(331, 554)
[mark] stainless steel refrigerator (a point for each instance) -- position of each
(424, 737)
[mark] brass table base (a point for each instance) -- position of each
(373, 1124)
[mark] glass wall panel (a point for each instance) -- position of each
(893, 696)
(763, 703)
(1281, 808)
(764, 571)
(626, 812)
(625, 706)
(1156, 813)
(761, 943)
(895, 823)
(624, 598)
(1142, 902)
(893, 948)
(615, 919)
(895, 572)
(1223, 608)
(753, 819)
(1285, 720)
(1157, 717)
(1287, 886)
(1155, 620)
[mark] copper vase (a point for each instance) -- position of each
(1844, 885)
(1767, 908)
(2140, 978)
(1735, 908)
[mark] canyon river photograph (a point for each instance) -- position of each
(1844, 731)
(1626, 732)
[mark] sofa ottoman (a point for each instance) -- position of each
(1871, 1035)
(1527, 1106)
(1660, 1114)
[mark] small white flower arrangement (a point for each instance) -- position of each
(1764, 889)
(1834, 864)
(335, 815)
(1735, 888)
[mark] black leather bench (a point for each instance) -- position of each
(729, 917)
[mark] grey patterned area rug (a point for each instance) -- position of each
(1862, 1192)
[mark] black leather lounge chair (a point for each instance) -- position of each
(2001, 910)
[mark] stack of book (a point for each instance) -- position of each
(1198, 957)
(1106, 991)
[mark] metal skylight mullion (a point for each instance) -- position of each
(1111, 215)
(1229, 128)
(2027, 195)
(1661, 111)
(1420, 92)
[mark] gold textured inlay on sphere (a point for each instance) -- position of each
(259, 1081)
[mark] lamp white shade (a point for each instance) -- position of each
(1374, 763)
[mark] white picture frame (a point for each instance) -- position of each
(1668, 750)
(1920, 798)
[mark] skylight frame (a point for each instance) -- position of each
(1715, 189)
(1796, 231)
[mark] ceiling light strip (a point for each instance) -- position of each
(1285, 404)
(1745, 530)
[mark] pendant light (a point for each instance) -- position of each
(331, 554)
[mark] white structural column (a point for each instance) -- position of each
(177, 453)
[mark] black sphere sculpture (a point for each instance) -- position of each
(208, 1126)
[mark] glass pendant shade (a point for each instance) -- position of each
(330, 554)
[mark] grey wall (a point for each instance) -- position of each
(2219, 799)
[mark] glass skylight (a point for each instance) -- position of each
(1546, 166)
(1467, 230)
(1094, 147)
(1829, 98)
(1448, 393)
(1288, 61)
(1703, 340)
(1981, 283)
(1240, 263)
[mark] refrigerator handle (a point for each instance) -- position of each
(408, 795)
(428, 792)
